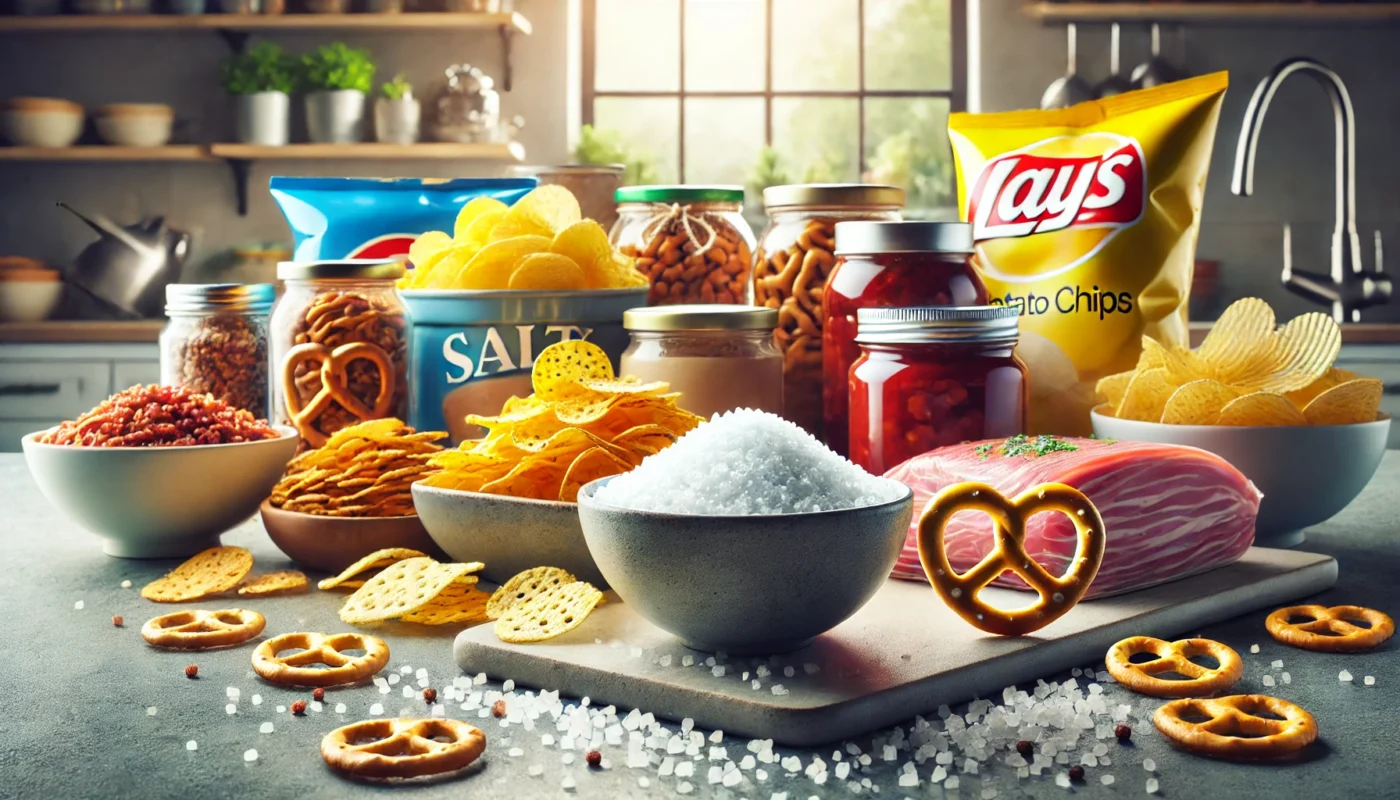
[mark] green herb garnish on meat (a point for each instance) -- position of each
(1028, 446)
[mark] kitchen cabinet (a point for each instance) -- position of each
(43, 384)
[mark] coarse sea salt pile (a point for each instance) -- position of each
(746, 462)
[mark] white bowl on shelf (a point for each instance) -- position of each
(135, 124)
(41, 122)
(28, 295)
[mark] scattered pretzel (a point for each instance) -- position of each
(202, 630)
(1174, 657)
(402, 748)
(1330, 630)
(334, 385)
(318, 648)
(1234, 729)
(1057, 595)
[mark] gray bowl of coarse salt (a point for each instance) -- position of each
(746, 536)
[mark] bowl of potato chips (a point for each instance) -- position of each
(1269, 400)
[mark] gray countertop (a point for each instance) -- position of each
(78, 694)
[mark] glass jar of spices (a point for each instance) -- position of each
(933, 376)
(691, 242)
(216, 341)
(339, 350)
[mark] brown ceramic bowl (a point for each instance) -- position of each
(331, 544)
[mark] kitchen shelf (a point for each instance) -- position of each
(98, 152)
(1217, 13)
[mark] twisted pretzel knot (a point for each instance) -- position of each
(403, 748)
(1330, 631)
(335, 385)
(1234, 729)
(1173, 657)
(202, 630)
(1057, 595)
(318, 648)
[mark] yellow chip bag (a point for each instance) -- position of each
(1085, 218)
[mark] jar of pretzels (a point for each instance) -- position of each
(339, 346)
(691, 241)
(216, 341)
(795, 258)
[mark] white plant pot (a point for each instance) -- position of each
(396, 120)
(336, 117)
(262, 118)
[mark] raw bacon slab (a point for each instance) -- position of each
(1170, 511)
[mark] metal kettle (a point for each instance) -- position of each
(129, 267)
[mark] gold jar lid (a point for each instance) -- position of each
(833, 195)
(389, 269)
(700, 318)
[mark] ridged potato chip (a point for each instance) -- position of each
(1333, 377)
(1146, 396)
(525, 585)
(551, 613)
(1237, 340)
(1260, 409)
(1347, 403)
(545, 211)
(1181, 364)
(547, 271)
(476, 209)
(1198, 403)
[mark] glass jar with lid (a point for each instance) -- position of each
(339, 347)
(216, 341)
(887, 264)
(795, 257)
(719, 357)
(933, 376)
(691, 242)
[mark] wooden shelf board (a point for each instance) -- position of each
(106, 23)
(97, 152)
(423, 151)
(1212, 12)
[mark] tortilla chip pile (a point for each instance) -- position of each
(216, 571)
(365, 470)
(582, 423)
(541, 242)
(1247, 372)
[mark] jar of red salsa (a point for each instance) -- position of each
(887, 264)
(933, 376)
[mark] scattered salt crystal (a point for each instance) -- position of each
(789, 671)
(191, 745)
(1062, 780)
(717, 671)
(515, 752)
(1151, 786)
(842, 770)
(1369, 680)
(951, 783)
(811, 669)
(1254, 648)
(1285, 678)
(792, 764)
(687, 723)
(685, 769)
(340, 708)
(566, 759)
(716, 737)
(687, 661)
(908, 779)
(644, 782)
(1149, 765)
(393, 680)
(257, 699)
(281, 709)
(78, 606)
(665, 660)
(479, 680)
(150, 711)
(989, 792)
(536, 770)
(127, 585)
(266, 727)
(1268, 680)
(232, 693)
(719, 754)
(715, 775)
(970, 766)
(684, 787)
(1106, 780)
(568, 784)
(230, 709)
(376, 709)
(760, 775)
(779, 796)
(732, 779)
(1090, 760)
(1277, 665)
(250, 755)
(1344, 676)
(779, 689)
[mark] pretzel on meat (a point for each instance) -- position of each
(1329, 630)
(318, 648)
(203, 630)
(402, 748)
(1174, 657)
(335, 385)
(1057, 595)
(1234, 729)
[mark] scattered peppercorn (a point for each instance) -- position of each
(1025, 748)
(593, 757)
(318, 694)
(299, 707)
(1123, 732)
(1076, 773)
(192, 671)
(117, 620)
(430, 696)
(499, 709)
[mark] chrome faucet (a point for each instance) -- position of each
(1350, 287)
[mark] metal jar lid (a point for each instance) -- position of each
(865, 237)
(680, 194)
(341, 269)
(700, 318)
(938, 324)
(232, 298)
(834, 195)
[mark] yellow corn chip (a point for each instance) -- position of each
(524, 586)
(375, 560)
(457, 604)
(403, 587)
(544, 616)
(285, 582)
(211, 572)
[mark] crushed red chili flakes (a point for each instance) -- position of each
(160, 416)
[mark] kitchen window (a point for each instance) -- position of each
(762, 92)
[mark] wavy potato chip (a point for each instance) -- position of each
(476, 209)
(545, 211)
(547, 271)
(1333, 377)
(525, 585)
(1146, 396)
(1241, 336)
(1347, 403)
(210, 572)
(1181, 364)
(1260, 409)
(492, 265)
(1197, 403)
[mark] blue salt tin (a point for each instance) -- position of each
(470, 351)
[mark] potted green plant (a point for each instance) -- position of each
(396, 112)
(260, 81)
(336, 78)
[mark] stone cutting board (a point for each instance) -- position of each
(903, 654)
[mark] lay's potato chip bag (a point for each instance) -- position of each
(1086, 218)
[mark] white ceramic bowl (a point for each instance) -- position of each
(42, 123)
(159, 502)
(1306, 473)
(134, 125)
(28, 301)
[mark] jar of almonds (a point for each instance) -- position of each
(339, 346)
(795, 258)
(216, 341)
(691, 241)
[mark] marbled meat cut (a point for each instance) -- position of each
(1170, 511)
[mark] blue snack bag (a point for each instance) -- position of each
(336, 218)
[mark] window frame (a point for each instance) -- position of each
(955, 94)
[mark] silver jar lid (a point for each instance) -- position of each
(342, 269)
(864, 237)
(229, 298)
(951, 324)
(700, 318)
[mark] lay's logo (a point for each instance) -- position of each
(389, 245)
